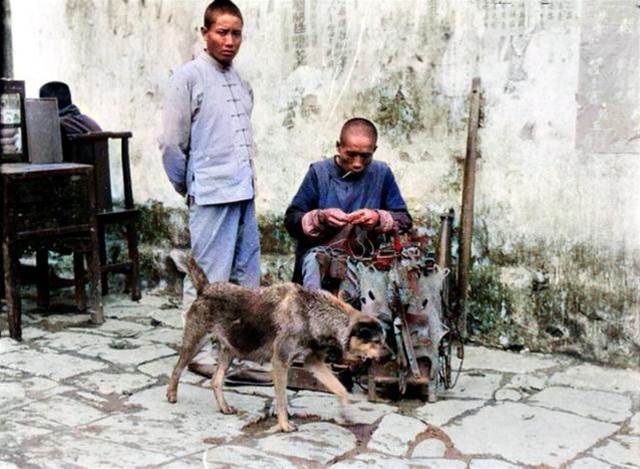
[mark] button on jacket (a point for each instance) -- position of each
(206, 142)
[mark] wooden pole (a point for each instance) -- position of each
(466, 212)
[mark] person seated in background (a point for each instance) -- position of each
(349, 192)
(72, 121)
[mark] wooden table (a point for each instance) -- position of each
(49, 207)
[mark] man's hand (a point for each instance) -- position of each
(333, 217)
(365, 217)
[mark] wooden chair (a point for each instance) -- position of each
(93, 149)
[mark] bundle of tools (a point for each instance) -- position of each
(400, 283)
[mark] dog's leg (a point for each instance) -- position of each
(224, 361)
(321, 371)
(280, 376)
(193, 338)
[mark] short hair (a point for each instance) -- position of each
(58, 90)
(359, 124)
(220, 6)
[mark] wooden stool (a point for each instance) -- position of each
(49, 207)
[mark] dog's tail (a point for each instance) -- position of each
(197, 276)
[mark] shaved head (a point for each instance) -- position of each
(359, 125)
(218, 7)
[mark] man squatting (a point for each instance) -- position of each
(338, 195)
(207, 150)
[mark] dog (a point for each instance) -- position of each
(280, 323)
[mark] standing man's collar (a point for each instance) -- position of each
(204, 55)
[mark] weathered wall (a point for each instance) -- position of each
(557, 201)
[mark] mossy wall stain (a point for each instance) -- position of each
(546, 296)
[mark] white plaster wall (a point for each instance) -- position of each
(560, 141)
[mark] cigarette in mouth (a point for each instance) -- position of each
(346, 174)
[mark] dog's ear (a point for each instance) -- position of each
(365, 331)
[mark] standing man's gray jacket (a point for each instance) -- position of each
(207, 143)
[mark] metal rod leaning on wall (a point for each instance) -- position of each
(444, 260)
(466, 212)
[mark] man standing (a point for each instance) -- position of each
(207, 149)
(341, 193)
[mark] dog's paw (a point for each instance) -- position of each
(227, 410)
(287, 427)
(349, 399)
(172, 397)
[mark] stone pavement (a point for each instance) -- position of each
(77, 395)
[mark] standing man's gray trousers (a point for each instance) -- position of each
(225, 242)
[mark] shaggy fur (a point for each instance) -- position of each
(278, 323)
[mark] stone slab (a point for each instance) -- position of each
(431, 448)
(437, 463)
(93, 398)
(7, 344)
(507, 394)
(117, 328)
(64, 320)
(395, 433)
(319, 442)
(55, 411)
(165, 335)
(491, 464)
(597, 377)
(49, 364)
(190, 462)
(264, 391)
(182, 428)
(168, 317)
(121, 307)
(529, 383)
(380, 461)
(623, 450)
(13, 434)
(328, 407)
(20, 392)
(194, 400)
(4, 464)
(481, 358)
(475, 386)
(79, 450)
(185, 463)
(128, 353)
(12, 394)
(31, 332)
(67, 341)
(372, 461)
(241, 457)
(589, 463)
(7, 374)
(600, 405)
(634, 424)
(164, 367)
(526, 434)
(441, 412)
(118, 383)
